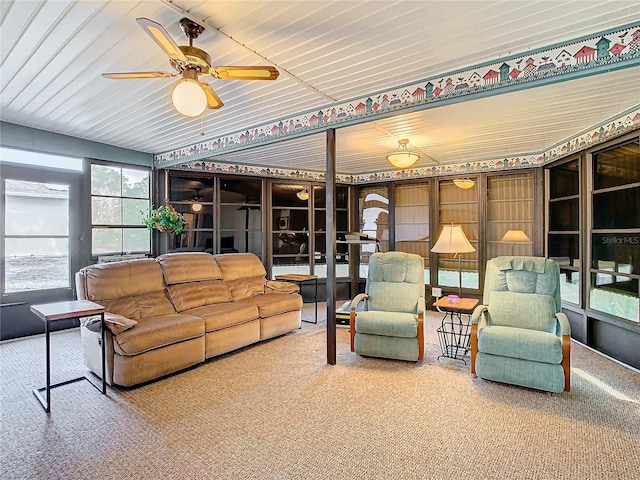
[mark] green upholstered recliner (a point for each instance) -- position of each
(391, 323)
(520, 336)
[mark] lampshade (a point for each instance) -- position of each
(515, 236)
(452, 240)
(189, 98)
(464, 183)
(402, 158)
(303, 194)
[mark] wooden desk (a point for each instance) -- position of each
(455, 336)
(300, 279)
(51, 312)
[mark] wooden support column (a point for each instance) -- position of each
(331, 246)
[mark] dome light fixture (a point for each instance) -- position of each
(303, 194)
(188, 98)
(464, 183)
(402, 157)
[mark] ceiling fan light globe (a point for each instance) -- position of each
(196, 207)
(189, 98)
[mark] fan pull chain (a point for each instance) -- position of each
(202, 124)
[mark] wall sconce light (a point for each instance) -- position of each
(464, 183)
(402, 157)
(303, 194)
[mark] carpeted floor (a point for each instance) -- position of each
(276, 410)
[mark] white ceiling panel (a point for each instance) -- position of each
(53, 53)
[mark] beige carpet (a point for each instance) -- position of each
(277, 411)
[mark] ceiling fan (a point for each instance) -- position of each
(190, 96)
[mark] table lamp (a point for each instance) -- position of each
(453, 240)
(513, 237)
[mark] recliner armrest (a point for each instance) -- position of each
(358, 298)
(478, 314)
(422, 306)
(563, 324)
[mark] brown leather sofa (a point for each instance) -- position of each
(173, 312)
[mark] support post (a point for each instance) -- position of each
(331, 246)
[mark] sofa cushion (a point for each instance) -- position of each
(240, 265)
(520, 343)
(269, 305)
(246, 287)
(224, 315)
(185, 296)
(122, 279)
(189, 267)
(155, 332)
(391, 324)
(523, 310)
(140, 306)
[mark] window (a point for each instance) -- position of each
(342, 228)
(373, 208)
(290, 228)
(509, 207)
(563, 226)
(241, 216)
(119, 199)
(192, 196)
(412, 233)
(460, 207)
(615, 232)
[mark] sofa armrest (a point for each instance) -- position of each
(563, 327)
(117, 323)
(272, 286)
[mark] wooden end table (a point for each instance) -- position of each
(52, 312)
(300, 279)
(454, 333)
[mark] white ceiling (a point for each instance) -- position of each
(53, 52)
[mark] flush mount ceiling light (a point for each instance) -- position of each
(303, 194)
(464, 182)
(402, 157)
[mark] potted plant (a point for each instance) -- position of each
(164, 219)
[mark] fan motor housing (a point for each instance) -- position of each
(198, 59)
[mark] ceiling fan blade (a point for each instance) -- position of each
(122, 75)
(244, 73)
(213, 101)
(162, 38)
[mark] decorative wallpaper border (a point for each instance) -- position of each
(619, 48)
(612, 127)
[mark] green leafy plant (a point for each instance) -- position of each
(164, 219)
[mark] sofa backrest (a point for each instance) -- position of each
(243, 273)
(133, 288)
(193, 280)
